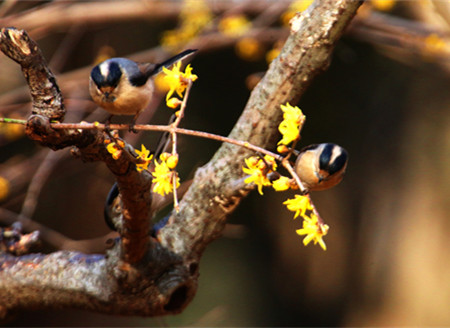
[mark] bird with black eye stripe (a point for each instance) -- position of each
(124, 87)
(321, 166)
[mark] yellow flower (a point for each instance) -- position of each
(282, 184)
(314, 231)
(289, 128)
(114, 150)
(172, 161)
(234, 25)
(188, 74)
(258, 169)
(161, 83)
(272, 54)
(172, 78)
(300, 204)
(269, 161)
(435, 45)
(177, 80)
(5, 188)
(195, 16)
(172, 40)
(383, 5)
(296, 6)
(164, 156)
(292, 113)
(163, 178)
(249, 48)
(282, 149)
(12, 131)
(173, 102)
(145, 155)
(290, 132)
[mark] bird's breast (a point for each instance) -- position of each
(124, 99)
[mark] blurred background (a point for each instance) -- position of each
(384, 99)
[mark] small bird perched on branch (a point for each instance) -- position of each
(124, 87)
(321, 166)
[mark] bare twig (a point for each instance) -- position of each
(54, 238)
(151, 127)
(58, 15)
(40, 177)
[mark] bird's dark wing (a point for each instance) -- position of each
(154, 69)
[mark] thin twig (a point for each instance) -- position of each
(174, 130)
(37, 182)
(152, 127)
(287, 165)
(179, 116)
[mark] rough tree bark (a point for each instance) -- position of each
(141, 275)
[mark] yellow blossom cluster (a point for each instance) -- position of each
(289, 128)
(300, 204)
(234, 25)
(249, 48)
(383, 5)
(313, 227)
(435, 46)
(145, 156)
(177, 82)
(274, 52)
(165, 178)
(295, 7)
(115, 148)
(12, 132)
(164, 175)
(195, 16)
(259, 169)
(314, 230)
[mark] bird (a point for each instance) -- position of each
(124, 87)
(321, 166)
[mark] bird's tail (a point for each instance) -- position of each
(167, 63)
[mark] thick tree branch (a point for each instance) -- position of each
(214, 192)
(47, 106)
(47, 99)
(164, 279)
